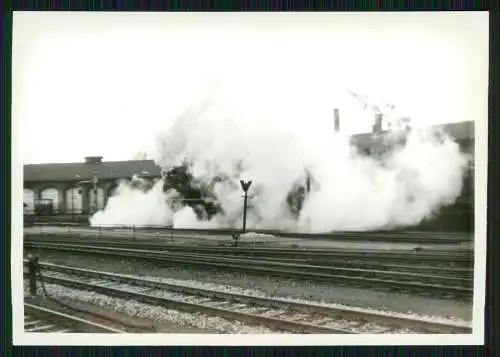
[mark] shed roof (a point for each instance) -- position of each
(76, 171)
(460, 131)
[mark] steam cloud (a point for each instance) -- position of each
(349, 191)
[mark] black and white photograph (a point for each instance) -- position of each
(249, 178)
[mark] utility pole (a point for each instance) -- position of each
(245, 186)
(95, 180)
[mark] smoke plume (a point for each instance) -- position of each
(415, 174)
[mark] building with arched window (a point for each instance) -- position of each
(80, 187)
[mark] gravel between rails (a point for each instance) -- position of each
(134, 323)
(154, 313)
(269, 286)
(329, 319)
(38, 318)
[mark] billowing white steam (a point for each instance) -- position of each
(348, 191)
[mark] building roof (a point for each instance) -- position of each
(460, 131)
(76, 171)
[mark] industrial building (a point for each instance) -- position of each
(80, 187)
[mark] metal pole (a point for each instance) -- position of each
(95, 198)
(245, 186)
(32, 267)
(95, 180)
(245, 212)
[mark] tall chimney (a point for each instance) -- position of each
(377, 126)
(337, 119)
(308, 181)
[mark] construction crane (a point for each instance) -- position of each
(383, 110)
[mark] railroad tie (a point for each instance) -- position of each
(203, 300)
(275, 314)
(32, 322)
(260, 309)
(107, 283)
(323, 320)
(143, 289)
(39, 328)
(219, 303)
(297, 318)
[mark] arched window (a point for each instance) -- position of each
(74, 202)
(29, 201)
(96, 203)
(53, 195)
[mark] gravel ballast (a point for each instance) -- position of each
(343, 324)
(279, 287)
(154, 313)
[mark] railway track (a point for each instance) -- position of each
(454, 283)
(42, 319)
(370, 236)
(277, 314)
(443, 258)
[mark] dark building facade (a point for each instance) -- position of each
(456, 217)
(80, 188)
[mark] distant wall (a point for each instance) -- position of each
(458, 217)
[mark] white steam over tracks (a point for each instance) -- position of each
(335, 186)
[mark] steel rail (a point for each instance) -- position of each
(311, 258)
(359, 315)
(393, 255)
(281, 269)
(55, 319)
(129, 294)
(193, 257)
